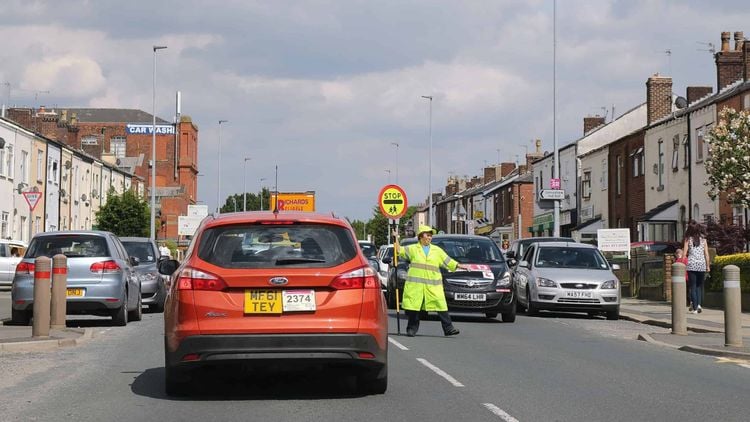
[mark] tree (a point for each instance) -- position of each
(124, 215)
(234, 202)
(728, 164)
(726, 238)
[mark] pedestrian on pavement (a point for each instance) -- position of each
(505, 246)
(698, 262)
(680, 257)
(423, 289)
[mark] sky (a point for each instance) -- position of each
(330, 92)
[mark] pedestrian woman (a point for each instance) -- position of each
(423, 289)
(698, 263)
(505, 246)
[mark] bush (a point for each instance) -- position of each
(716, 282)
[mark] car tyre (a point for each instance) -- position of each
(510, 316)
(491, 315)
(20, 317)
(530, 308)
(613, 315)
(175, 382)
(120, 315)
(158, 308)
(137, 313)
(373, 382)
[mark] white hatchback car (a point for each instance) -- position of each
(566, 276)
(11, 252)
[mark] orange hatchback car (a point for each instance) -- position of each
(263, 288)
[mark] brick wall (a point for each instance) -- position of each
(592, 122)
(697, 92)
(658, 97)
(729, 63)
(631, 203)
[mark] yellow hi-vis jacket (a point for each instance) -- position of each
(423, 289)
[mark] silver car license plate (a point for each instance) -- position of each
(478, 297)
(579, 294)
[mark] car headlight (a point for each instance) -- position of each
(544, 282)
(504, 281)
(609, 284)
(401, 274)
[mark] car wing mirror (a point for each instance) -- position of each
(134, 261)
(524, 264)
(512, 262)
(168, 266)
(374, 264)
(615, 266)
(387, 260)
(510, 254)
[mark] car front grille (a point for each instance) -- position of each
(471, 283)
(569, 300)
(579, 286)
(473, 303)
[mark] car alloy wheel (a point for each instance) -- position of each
(530, 308)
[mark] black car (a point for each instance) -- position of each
(486, 288)
(518, 247)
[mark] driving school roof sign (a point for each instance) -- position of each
(392, 201)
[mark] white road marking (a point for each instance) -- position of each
(499, 412)
(440, 372)
(397, 344)
(745, 365)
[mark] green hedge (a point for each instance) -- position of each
(742, 260)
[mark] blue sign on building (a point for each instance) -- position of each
(146, 129)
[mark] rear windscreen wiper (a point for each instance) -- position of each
(286, 261)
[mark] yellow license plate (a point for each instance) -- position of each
(263, 301)
(76, 292)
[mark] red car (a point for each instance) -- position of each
(260, 288)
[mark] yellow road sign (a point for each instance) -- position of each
(392, 200)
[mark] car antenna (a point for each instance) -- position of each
(276, 187)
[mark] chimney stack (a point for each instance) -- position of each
(746, 59)
(695, 93)
(729, 63)
(592, 122)
(658, 97)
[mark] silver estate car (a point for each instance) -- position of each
(566, 276)
(101, 276)
(153, 290)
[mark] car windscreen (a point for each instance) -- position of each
(266, 246)
(368, 249)
(470, 250)
(565, 257)
(144, 251)
(70, 245)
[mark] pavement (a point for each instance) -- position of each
(705, 331)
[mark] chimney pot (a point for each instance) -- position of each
(725, 41)
(739, 38)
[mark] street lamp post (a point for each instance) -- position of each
(218, 171)
(431, 215)
(389, 175)
(261, 192)
(244, 185)
(396, 145)
(153, 148)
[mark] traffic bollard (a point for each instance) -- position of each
(42, 267)
(679, 313)
(59, 291)
(732, 307)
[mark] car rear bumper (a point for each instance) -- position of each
(496, 302)
(345, 349)
(97, 297)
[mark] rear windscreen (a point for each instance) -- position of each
(265, 246)
(72, 246)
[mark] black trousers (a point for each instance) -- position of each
(412, 326)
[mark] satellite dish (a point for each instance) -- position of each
(680, 102)
(62, 193)
(83, 197)
(68, 164)
(2, 143)
(118, 162)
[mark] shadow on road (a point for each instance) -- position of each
(237, 383)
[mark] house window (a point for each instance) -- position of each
(676, 153)
(24, 166)
(637, 157)
(37, 225)
(117, 146)
(586, 184)
(604, 180)
(707, 145)
(685, 152)
(746, 102)
(4, 225)
(2, 162)
(40, 165)
(660, 165)
(9, 162)
(699, 145)
(618, 174)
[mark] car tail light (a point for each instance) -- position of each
(25, 268)
(192, 279)
(105, 267)
(361, 278)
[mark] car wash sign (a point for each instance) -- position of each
(146, 129)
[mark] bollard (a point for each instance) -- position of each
(42, 267)
(732, 307)
(59, 291)
(679, 313)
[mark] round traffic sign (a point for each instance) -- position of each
(392, 201)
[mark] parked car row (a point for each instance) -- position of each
(106, 275)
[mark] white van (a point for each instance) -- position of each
(11, 252)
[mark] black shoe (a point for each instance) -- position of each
(452, 332)
(410, 333)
